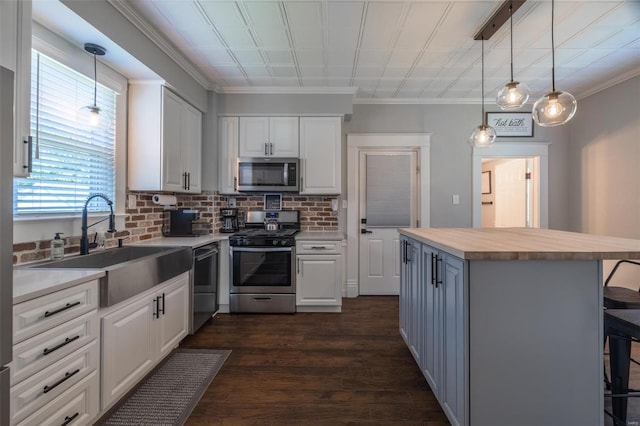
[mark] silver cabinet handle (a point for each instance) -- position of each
(28, 145)
(318, 247)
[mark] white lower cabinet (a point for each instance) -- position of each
(432, 322)
(56, 357)
(77, 406)
(318, 275)
(139, 332)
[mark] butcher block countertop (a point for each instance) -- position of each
(524, 244)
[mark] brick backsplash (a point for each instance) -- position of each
(145, 221)
(315, 211)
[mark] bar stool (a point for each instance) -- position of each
(619, 298)
(624, 328)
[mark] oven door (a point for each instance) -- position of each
(263, 270)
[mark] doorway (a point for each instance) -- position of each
(510, 192)
(378, 166)
(537, 153)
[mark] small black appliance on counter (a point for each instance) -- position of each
(229, 219)
(183, 223)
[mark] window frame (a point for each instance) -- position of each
(41, 226)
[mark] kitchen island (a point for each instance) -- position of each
(507, 324)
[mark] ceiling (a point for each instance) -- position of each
(392, 51)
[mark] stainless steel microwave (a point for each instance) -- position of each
(269, 174)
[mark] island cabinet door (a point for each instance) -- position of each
(416, 317)
(405, 285)
(431, 321)
(450, 278)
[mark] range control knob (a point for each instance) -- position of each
(283, 242)
(275, 242)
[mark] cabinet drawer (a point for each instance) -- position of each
(40, 351)
(33, 393)
(37, 315)
(318, 247)
(77, 406)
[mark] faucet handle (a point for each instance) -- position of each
(120, 240)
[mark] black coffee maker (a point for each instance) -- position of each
(229, 219)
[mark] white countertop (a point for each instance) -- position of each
(320, 235)
(31, 283)
(192, 242)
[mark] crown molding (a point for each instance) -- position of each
(415, 101)
(132, 16)
(609, 83)
(275, 90)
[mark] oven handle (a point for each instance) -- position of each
(261, 249)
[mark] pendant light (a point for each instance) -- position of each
(92, 114)
(556, 107)
(483, 135)
(514, 94)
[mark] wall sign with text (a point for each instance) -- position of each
(513, 124)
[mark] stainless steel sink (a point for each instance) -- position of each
(128, 270)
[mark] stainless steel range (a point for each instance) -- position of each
(263, 276)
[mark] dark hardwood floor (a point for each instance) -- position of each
(315, 369)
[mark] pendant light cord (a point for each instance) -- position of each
(511, 35)
(553, 55)
(482, 82)
(95, 80)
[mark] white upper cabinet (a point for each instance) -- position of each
(320, 155)
(268, 137)
(228, 155)
(15, 55)
(165, 141)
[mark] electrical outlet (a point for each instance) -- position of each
(132, 202)
(455, 199)
(231, 202)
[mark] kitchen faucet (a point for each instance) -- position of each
(84, 240)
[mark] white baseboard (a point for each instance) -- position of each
(352, 288)
(318, 308)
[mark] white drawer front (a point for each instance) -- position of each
(31, 394)
(37, 315)
(77, 406)
(38, 352)
(318, 247)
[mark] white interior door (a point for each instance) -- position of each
(511, 193)
(388, 201)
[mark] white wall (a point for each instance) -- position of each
(450, 126)
(296, 104)
(605, 168)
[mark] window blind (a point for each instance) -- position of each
(71, 159)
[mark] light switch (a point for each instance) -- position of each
(455, 199)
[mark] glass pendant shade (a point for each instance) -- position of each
(512, 96)
(482, 136)
(92, 115)
(554, 109)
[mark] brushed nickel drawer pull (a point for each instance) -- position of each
(64, 308)
(66, 377)
(68, 340)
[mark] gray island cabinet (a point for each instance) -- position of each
(506, 324)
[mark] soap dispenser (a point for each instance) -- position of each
(57, 247)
